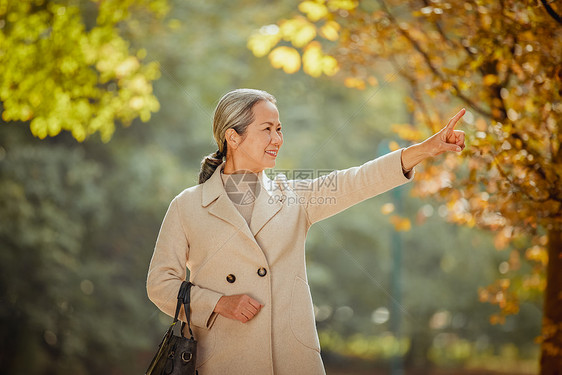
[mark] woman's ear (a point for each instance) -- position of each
(232, 138)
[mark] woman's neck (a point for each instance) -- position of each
(230, 168)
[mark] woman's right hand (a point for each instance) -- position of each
(238, 307)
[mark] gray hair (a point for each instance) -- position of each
(234, 111)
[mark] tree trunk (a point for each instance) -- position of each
(551, 347)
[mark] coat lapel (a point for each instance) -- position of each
(268, 202)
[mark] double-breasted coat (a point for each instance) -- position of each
(204, 231)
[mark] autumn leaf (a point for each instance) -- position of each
(285, 58)
(353, 82)
(298, 31)
(316, 63)
(330, 30)
(387, 208)
(401, 224)
(261, 44)
(314, 10)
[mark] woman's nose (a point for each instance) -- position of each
(276, 139)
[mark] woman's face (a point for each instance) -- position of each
(258, 148)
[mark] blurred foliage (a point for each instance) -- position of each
(79, 220)
(501, 60)
(72, 272)
(61, 73)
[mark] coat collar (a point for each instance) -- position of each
(268, 202)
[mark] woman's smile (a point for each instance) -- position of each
(272, 153)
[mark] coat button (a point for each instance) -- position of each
(231, 278)
(262, 272)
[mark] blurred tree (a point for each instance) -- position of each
(502, 60)
(64, 66)
(74, 217)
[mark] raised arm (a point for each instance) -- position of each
(327, 195)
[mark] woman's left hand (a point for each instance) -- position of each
(447, 139)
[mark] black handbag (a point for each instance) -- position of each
(176, 354)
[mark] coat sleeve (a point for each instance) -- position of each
(168, 269)
(329, 194)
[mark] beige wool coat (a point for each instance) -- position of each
(204, 231)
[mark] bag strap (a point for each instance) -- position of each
(186, 304)
(181, 295)
(184, 297)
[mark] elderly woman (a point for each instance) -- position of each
(242, 237)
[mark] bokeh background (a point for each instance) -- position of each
(397, 288)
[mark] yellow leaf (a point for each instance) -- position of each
(353, 82)
(497, 319)
(80, 135)
(393, 145)
(490, 79)
(127, 66)
(534, 281)
(314, 11)
(537, 254)
(261, 44)
(501, 240)
(53, 126)
(401, 224)
(298, 31)
(38, 127)
(387, 208)
(486, 22)
(285, 58)
(330, 64)
(483, 295)
(330, 30)
(312, 59)
(315, 62)
(530, 105)
(342, 4)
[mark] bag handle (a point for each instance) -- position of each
(186, 304)
(184, 297)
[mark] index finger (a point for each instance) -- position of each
(453, 121)
(255, 303)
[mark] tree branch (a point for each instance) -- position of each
(551, 12)
(520, 188)
(439, 29)
(431, 67)
(415, 91)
